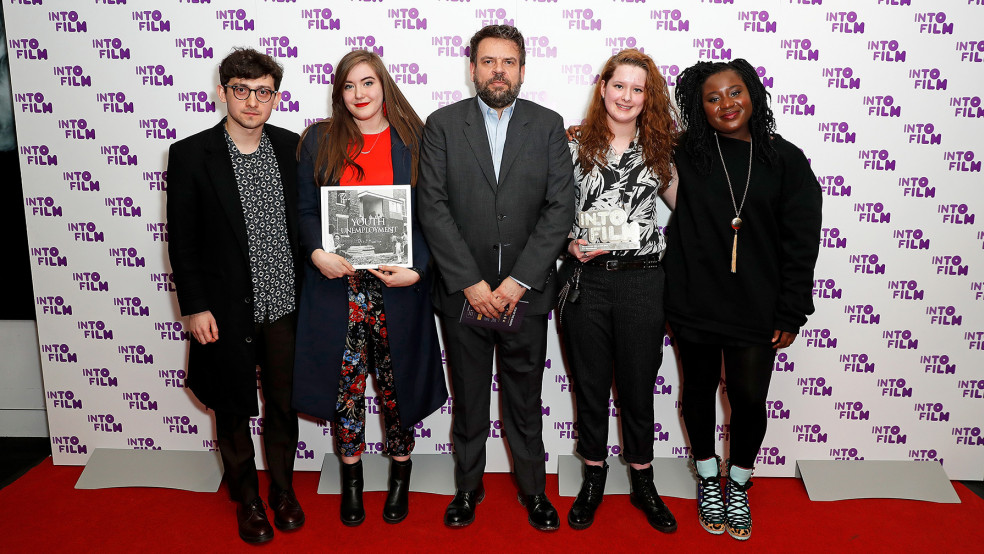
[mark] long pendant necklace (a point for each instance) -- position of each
(736, 222)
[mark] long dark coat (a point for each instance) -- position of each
(209, 254)
(323, 316)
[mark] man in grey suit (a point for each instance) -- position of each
(496, 202)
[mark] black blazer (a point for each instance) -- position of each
(209, 255)
(322, 323)
(468, 215)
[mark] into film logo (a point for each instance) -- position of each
(151, 21)
(970, 51)
(110, 48)
(278, 47)
(845, 23)
(669, 20)
(819, 338)
(800, 49)
(33, 102)
(38, 154)
(64, 399)
(857, 363)
(886, 51)
(833, 185)
(493, 16)
(68, 22)
(53, 305)
(963, 106)
(454, 46)
(827, 289)
(933, 23)
(140, 401)
(756, 21)
(196, 101)
(917, 187)
(407, 19)
(579, 74)
(770, 456)
(711, 49)
(539, 47)
(581, 19)
(320, 19)
(810, 433)
(72, 76)
(49, 256)
(841, 77)
(105, 423)
(26, 49)
(853, 411)
(906, 289)
(194, 48)
(69, 445)
(235, 20)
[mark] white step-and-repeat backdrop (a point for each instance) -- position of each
(884, 96)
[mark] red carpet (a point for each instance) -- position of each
(42, 512)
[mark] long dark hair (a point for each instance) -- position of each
(699, 136)
(656, 124)
(340, 141)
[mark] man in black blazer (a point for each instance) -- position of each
(232, 219)
(496, 202)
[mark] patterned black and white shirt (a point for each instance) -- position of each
(262, 195)
(626, 183)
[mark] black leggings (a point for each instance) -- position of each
(748, 371)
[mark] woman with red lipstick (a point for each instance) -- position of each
(353, 323)
(612, 308)
(742, 245)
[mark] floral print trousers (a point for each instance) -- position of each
(367, 349)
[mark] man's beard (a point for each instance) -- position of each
(497, 98)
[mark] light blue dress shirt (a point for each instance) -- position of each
(496, 128)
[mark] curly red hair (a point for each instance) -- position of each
(657, 125)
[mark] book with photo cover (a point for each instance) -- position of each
(369, 225)
(507, 323)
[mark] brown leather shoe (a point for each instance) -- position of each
(287, 512)
(253, 524)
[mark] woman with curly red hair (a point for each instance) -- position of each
(612, 306)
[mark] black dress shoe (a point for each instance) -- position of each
(542, 514)
(645, 497)
(461, 510)
(253, 524)
(287, 512)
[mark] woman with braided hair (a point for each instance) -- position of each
(741, 249)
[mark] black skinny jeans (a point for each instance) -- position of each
(748, 371)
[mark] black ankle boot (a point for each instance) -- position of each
(645, 497)
(352, 512)
(592, 492)
(397, 506)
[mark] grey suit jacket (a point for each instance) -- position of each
(480, 228)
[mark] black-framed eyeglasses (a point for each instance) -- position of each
(263, 94)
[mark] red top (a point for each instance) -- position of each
(376, 160)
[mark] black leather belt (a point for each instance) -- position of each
(619, 264)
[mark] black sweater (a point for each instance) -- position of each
(777, 245)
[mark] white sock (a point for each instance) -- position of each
(707, 468)
(740, 475)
